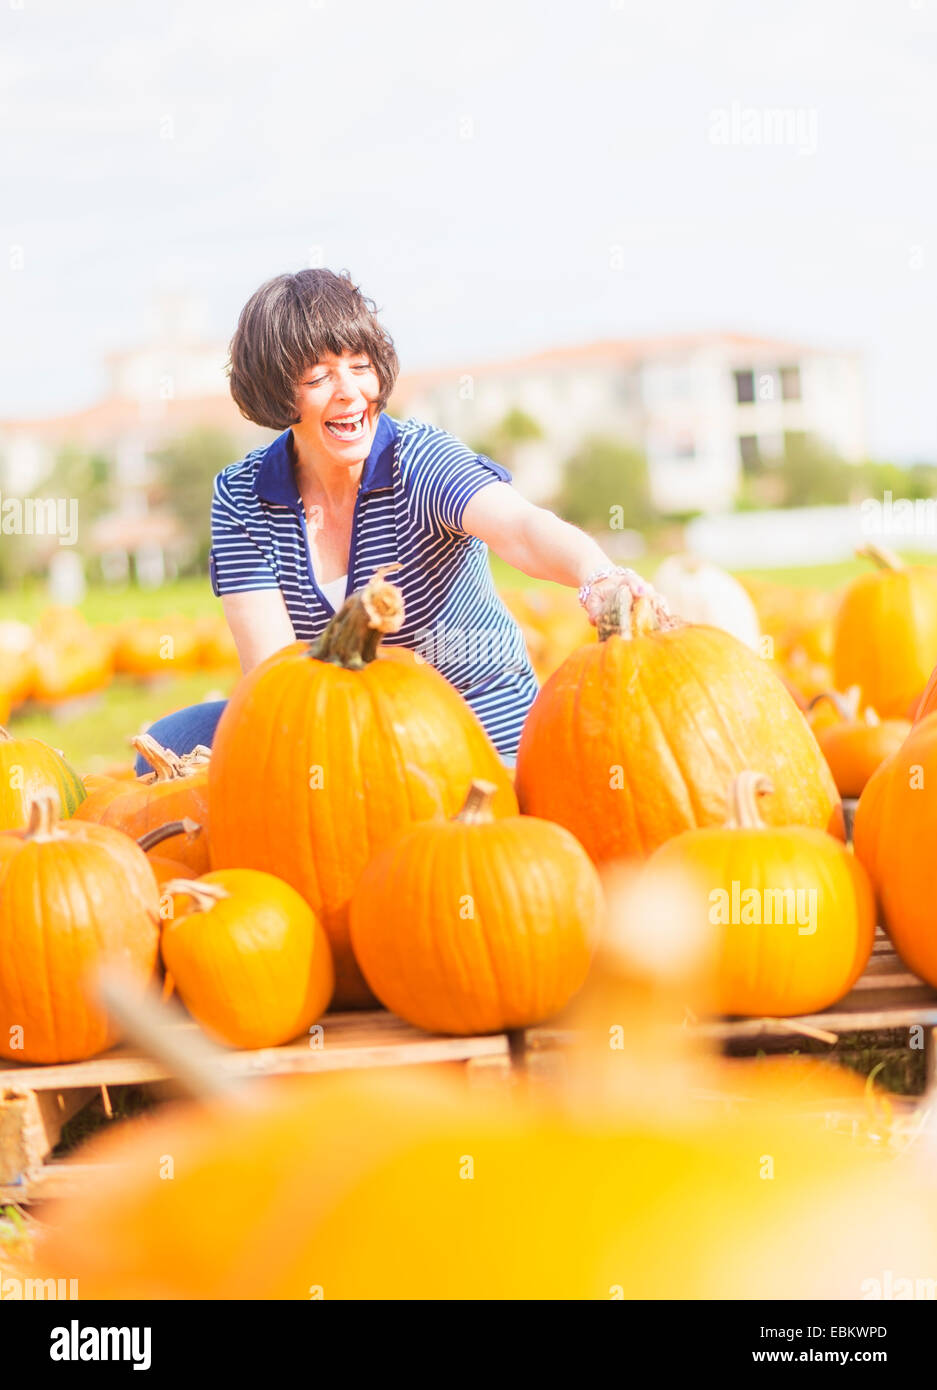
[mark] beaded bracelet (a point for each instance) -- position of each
(606, 573)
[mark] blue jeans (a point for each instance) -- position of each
(181, 731)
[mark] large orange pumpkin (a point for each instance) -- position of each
(794, 911)
(176, 791)
(328, 749)
(74, 898)
(474, 925)
(885, 634)
(636, 739)
(895, 832)
(855, 745)
(29, 766)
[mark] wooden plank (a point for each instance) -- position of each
(375, 1039)
(31, 1124)
(60, 1179)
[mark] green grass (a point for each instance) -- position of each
(95, 731)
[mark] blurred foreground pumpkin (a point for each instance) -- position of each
(405, 1186)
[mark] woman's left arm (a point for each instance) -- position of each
(541, 544)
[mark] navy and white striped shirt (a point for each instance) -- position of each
(414, 486)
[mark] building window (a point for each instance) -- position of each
(790, 383)
(750, 453)
(745, 387)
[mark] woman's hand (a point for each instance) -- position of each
(596, 593)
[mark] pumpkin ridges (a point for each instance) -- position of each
(567, 784)
(368, 730)
(773, 968)
(57, 914)
(895, 827)
(515, 959)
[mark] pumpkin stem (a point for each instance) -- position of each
(477, 807)
(44, 815)
(884, 558)
(205, 895)
(152, 838)
(743, 801)
(354, 634)
(845, 704)
(628, 617)
(167, 764)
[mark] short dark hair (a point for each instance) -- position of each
(287, 326)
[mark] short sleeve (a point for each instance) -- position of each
(443, 475)
(237, 564)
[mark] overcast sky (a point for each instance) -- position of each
(499, 175)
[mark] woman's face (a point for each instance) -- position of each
(337, 402)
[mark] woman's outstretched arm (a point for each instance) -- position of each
(539, 543)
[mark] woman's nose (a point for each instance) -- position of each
(345, 385)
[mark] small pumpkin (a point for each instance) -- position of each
(177, 790)
(475, 925)
(885, 633)
(748, 875)
(248, 956)
(636, 738)
(71, 657)
(27, 767)
(17, 661)
(855, 745)
(329, 748)
(151, 647)
(75, 897)
(701, 592)
(894, 834)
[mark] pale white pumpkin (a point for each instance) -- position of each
(701, 592)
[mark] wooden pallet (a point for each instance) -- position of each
(36, 1101)
(886, 998)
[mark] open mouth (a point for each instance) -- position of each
(347, 427)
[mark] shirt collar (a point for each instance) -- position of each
(276, 481)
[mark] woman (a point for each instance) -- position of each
(301, 523)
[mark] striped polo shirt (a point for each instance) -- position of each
(414, 486)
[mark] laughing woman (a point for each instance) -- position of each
(301, 523)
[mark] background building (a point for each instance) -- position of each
(704, 407)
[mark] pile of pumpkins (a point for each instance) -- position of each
(63, 656)
(353, 838)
